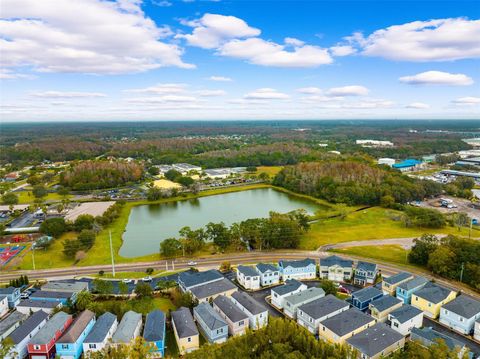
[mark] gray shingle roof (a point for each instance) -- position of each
(47, 304)
(28, 326)
(336, 260)
(191, 279)
(250, 304)
(413, 283)
(46, 334)
(209, 316)
(247, 271)
(405, 313)
(77, 327)
(184, 323)
(430, 336)
(394, 279)
(126, 327)
(347, 321)
(56, 295)
(305, 295)
(101, 328)
(432, 293)
(385, 302)
(289, 286)
(366, 266)
(463, 305)
(9, 290)
(375, 339)
(296, 264)
(154, 326)
(229, 309)
(61, 286)
(210, 289)
(321, 307)
(366, 293)
(264, 267)
(10, 321)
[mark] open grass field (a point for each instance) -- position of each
(134, 275)
(26, 197)
(371, 223)
(388, 253)
(269, 170)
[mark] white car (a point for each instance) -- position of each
(127, 281)
(147, 279)
(192, 263)
(24, 295)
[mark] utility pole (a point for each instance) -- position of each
(470, 231)
(111, 253)
(173, 265)
(33, 257)
(461, 272)
(166, 266)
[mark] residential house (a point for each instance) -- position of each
(428, 336)
(62, 297)
(209, 291)
(101, 333)
(73, 287)
(3, 305)
(405, 318)
(188, 280)
(461, 314)
(292, 302)
(311, 314)
(381, 307)
(154, 332)
(342, 326)
(405, 290)
(336, 269)
(365, 273)
(70, 344)
(22, 335)
(185, 330)
(431, 298)
(269, 274)
(376, 342)
(27, 305)
(236, 319)
(278, 294)
(363, 297)
(257, 312)
(10, 323)
(299, 269)
(42, 345)
(248, 277)
(213, 327)
(390, 284)
(13, 296)
(128, 328)
(476, 332)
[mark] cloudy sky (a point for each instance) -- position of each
(70, 60)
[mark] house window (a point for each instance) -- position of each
(311, 320)
(446, 311)
(241, 323)
(92, 346)
(461, 319)
(36, 347)
(395, 325)
(189, 339)
(64, 346)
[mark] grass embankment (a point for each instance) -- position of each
(388, 253)
(269, 170)
(134, 275)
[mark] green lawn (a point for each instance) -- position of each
(26, 197)
(372, 223)
(146, 305)
(388, 253)
(269, 170)
(134, 275)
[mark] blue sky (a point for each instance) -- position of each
(182, 60)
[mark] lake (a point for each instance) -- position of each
(149, 224)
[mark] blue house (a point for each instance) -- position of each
(212, 326)
(365, 273)
(12, 294)
(154, 331)
(60, 297)
(461, 314)
(70, 344)
(363, 297)
(405, 290)
(301, 269)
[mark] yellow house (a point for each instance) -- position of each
(390, 284)
(342, 326)
(430, 299)
(185, 330)
(381, 307)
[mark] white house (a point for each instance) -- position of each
(27, 306)
(292, 302)
(3, 305)
(101, 333)
(257, 313)
(278, 294)
(269, 274)
(476, 334)
(311, 314)
(461, 314)
(299, 269)
(336, 269)
(405, 318)
(248, 277)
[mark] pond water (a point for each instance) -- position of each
(149, 224)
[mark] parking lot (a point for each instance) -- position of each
(458, 204)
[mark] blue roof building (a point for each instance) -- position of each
(154, 331)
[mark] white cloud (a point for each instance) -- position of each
(163, 99)
(211, 93)
(162, 3)
(220, 78)
(211, 30)
(294, 42)
(469, 100)
(7, 74)
(60, 94)
(418, 105)
(353, 90)
(266, 94)
(433, 40)
(342, 50)
(437, 78)
(88, 36)
(309, 90)
(161, 89)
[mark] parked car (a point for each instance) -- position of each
(25, 295)
(147, 279)
(342, 289)
(192, 263)
(127, 281)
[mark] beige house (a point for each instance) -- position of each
(380, 308)
(345, 325)
(236, 319)
(185, 330)
(390, 284)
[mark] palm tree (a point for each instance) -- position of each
(84, 298)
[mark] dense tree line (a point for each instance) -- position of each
(100, 174)
(451, 257)
(423, 217)
(354, 183)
